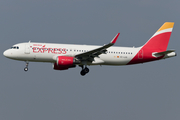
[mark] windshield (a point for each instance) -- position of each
(14, 47)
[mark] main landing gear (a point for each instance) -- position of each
(26, 68)
(84, 71)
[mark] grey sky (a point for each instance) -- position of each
(137, 92)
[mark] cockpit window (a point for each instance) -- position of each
(15, 47)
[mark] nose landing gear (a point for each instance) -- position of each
(26, 68)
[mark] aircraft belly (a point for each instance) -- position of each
(116, 60)
(35, 57)
(43, 57)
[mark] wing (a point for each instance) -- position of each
(89, 56)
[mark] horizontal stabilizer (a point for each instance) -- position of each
(163, 53)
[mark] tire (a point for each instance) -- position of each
(86, 70)
(26, 69)
(82, 72)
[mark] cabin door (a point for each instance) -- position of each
(140, 54)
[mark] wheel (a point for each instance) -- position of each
(25, 69)
(82, 72)
(86, 70)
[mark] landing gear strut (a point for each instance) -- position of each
(26, 68)
(84, 71)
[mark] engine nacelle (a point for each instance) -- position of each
(56, 67)
(65, 62)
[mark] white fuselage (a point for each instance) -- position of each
(65, 56)
(47, 52)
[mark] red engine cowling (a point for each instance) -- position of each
(64, 62)
(56, 67)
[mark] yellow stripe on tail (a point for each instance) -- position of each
(166, 25)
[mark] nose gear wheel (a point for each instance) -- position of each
(26, 68)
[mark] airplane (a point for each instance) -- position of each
(65, 56)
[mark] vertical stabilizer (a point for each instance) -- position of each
(159, 41)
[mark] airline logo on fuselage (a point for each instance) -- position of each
(38, 48)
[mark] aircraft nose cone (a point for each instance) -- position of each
(6, 53)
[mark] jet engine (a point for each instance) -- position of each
(65, 62)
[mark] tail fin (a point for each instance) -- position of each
(159, 41)
(155, 48)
